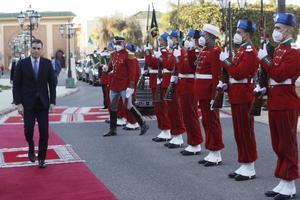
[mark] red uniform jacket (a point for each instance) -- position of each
(284, 65)
(243, 66)
(123, 66)
(185, 66)
(152, 63)
(209, 63)
(137, 71)
(105, 77)
(167, 62)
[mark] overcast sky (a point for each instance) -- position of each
(88, 9)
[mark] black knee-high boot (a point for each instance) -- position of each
(113, 124)
(140, 120)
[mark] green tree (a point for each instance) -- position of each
(196, 15)
(111, 26)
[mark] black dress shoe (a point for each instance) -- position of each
(166, 144)
(188, 153)
(174, 146)
(201, 162)
(284, 197)
(42, 164)
(271, 193)
(130, 129)
(244, 178)
(158, 139)
(110, 133)
(107, 121)
(232, 175)
(144, 128)
(210, 164)
(31, 156)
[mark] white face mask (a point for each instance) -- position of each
(192, 43)
(202, 41)
(118, 47)
(277, 36)
(237, 39)
(189, 44)
(170, 43)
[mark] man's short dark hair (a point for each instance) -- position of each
(37, 41)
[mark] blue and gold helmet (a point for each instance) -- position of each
(285, 18)
(246, 25)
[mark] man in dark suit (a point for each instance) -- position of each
(33, 76)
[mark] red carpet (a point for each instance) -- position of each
(72, 181)
(19, 119)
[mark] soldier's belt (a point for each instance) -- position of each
(245, 80)
(203, 76)
(153, 71)
(165, 71)
(286, 82)
(186, 75)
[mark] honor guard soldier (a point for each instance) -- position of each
(160, 107)
(185, 89)
(283, 104)
(167, 62)
(132, 123)
(241, 69)
(207, 77)
(104, 77)
(122, 85)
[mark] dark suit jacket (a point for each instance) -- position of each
(27, 88)
(13, 68)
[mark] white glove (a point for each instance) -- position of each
(51, 107)
(258, 89)
(146, 71)
(149, 47)
(202, 41)
(157, 54)
(11, 82)
(174, 79)
(20, 109)
(129, 92)
(158, 81)
(222, 85)
(105, 68)
(262, 53)
(177, 52)
(224, 55)
(211, 103)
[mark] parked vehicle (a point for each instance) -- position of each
(86, 71)
(94, 75)
(79, 69)
(144, 96)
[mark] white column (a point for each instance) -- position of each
(49, 40)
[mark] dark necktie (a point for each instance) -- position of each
(35, 68)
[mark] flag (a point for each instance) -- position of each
(154, 26)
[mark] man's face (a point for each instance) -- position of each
(36, 50)
(242, 32)
(120, 43)
(281, 28)
(162, 42)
